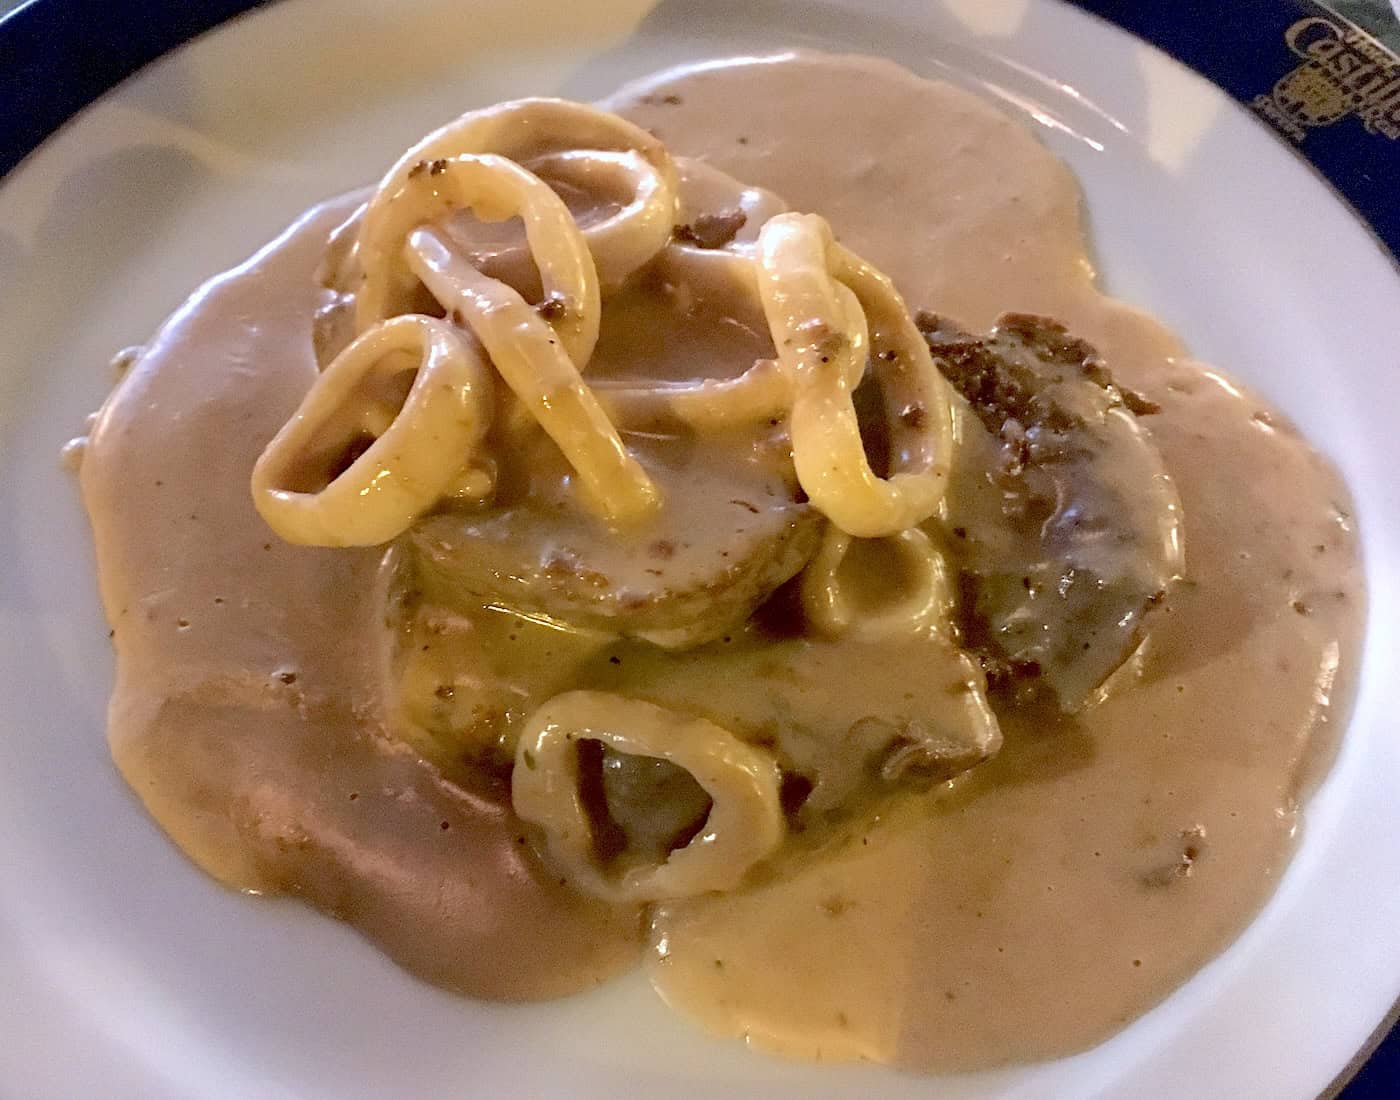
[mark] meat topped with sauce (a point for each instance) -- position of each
(729, 532)
(1067, 527)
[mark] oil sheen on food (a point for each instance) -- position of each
(301, 722)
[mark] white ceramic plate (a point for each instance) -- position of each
(125, 973)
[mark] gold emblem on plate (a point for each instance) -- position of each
(1344, 72)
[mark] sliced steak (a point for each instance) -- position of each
(1067, 527)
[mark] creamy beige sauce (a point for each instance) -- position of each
(298, 724)
(249, 706)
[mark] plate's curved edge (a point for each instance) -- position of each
(57, 56)
(1371, 1072)
(1326, 86)
(1321, 82)
(1331, 91)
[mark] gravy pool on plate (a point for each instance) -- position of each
(969, 766)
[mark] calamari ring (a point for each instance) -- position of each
(537, 367)
(525, 130)
(762, 392)
(630, 238)
(802, 273)
(414, 458)
(745, 822)
(495, 188)
(926, 603)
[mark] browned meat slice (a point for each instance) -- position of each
(728, 534)
(1067, 527)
